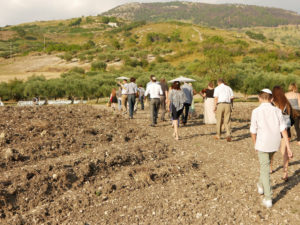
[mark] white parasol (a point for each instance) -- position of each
(182, 79)
(122, 78)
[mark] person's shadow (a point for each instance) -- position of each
(293, 181)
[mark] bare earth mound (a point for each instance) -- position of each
(87, 165)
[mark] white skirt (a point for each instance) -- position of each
(209, 114)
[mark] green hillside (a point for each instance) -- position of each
(221, 15)
(247, 59)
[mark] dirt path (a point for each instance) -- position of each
(141, 175)
(199, 33)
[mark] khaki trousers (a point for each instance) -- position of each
(124, 103)
(264, 178)
(223, 114)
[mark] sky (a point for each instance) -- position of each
(20, 11)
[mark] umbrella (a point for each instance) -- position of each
(182, 79)
(122, 78)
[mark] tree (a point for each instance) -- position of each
(98, 66)
(76, 22)
(105, 19)
(20, 31)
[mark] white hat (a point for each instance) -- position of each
(266, 90)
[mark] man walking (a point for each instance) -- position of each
(223, 99)
(141, 91)
(188, 92)
(131, 95)
(163, 98)
(155, 91)
(124, 95)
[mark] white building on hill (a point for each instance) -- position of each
(112, 24)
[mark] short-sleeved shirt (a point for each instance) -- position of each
(125, 89)
(267, 123)
(132, 88)
(188, 91)
(209, 93)
(154, 90)
(224, 93)
(164, 88)
(119, 93)
(141, 91)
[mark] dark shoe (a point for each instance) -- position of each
(228, 139)
(152, 125)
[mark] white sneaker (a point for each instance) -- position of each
(260, 190)
(267, 203)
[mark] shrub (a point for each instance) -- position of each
(248, 59)
(116, 44)
(256, 36)
(77, 70)
(75, 22)
(105, 19)
(68, 57)
(30, 38)
(98, 66)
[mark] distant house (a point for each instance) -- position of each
(112, 24)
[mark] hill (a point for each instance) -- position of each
(81, 57)
(220, 15)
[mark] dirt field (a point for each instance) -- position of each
(89, 165)
(50, 66)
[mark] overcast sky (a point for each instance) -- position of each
(20, 11)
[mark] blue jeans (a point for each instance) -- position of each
(141, 100)
(131, 102)
(119, 104)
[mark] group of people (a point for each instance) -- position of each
(177, 100)
(270, 126)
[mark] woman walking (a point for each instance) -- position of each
(280, 101)
(294, 98)
(113, 98)
(175, 105)
(209, 104)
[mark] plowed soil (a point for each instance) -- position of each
(90, 165)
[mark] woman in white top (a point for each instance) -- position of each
(283, 104)
(209, 104)
(294, 98)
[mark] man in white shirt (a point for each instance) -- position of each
(223, 95)
(267, 123)
(155, 91)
